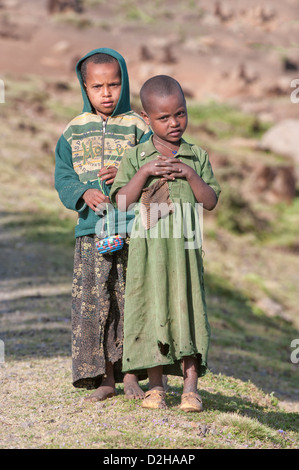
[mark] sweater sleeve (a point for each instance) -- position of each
(70, 189)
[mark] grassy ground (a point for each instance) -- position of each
(250, 394)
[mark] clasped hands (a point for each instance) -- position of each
(169, 168)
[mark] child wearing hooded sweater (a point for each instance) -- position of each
(88, 154)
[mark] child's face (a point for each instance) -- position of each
(168, 117)
(103, 87)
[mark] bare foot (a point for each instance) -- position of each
(131, 387)
(101, 393)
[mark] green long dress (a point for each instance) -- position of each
(165, 309)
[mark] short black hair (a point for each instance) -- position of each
(160, 85)
(98, 58)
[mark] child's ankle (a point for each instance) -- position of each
(160, 388)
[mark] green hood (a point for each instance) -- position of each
(123, 104)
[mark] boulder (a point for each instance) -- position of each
(283, 139)
(274, 183)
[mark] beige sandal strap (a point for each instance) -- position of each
(191, 401)
(154, 399)
(191, 395)
(152, 393)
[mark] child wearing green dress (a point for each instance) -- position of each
(166, 329)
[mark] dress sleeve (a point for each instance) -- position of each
(205, 170)
(126, 170)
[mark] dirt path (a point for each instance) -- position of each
(35, 289)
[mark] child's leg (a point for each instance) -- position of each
(191, 401)
(190, 374)
(155, 378)
(107, 387)
(131, 387)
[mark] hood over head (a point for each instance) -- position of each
(123, 104)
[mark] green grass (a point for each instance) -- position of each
(238, 216)
(237, 414)
(222, 120)
(284, 231)
(43, 226)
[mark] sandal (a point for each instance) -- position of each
(154, 399)
(191, 402)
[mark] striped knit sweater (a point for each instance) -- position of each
(88, 143)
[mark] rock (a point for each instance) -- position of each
(245, 76)
(145, 53)
(283, 139)
(168, 56)
(278, 87)
(57, 6)
(274, 183)
(61, 47)
(272, 308)
(114, 432)
(148, 69)
(163, 51)
(290, 65)
(222, 12)
(51, 62)
(202, 428)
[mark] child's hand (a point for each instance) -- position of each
(94, 198)
(173, 168)
(152, 168)
(108, 174)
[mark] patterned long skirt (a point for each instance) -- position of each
(97, 312)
